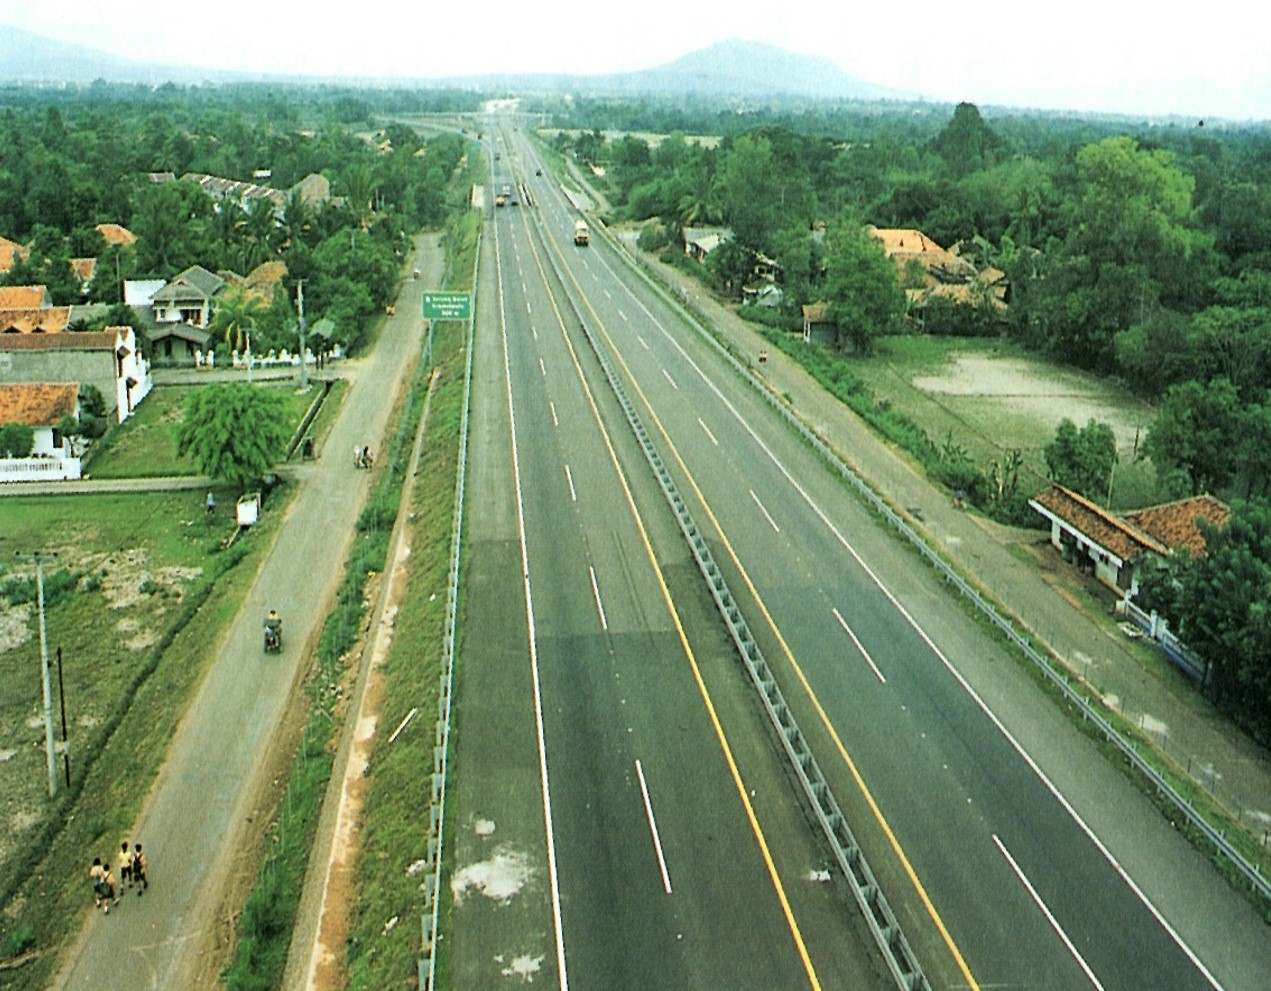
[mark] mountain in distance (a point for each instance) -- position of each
(754, 69)
(26, 57)
(738, 69)
(734, 68)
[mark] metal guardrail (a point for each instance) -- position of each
(889, 937)
(1128, 748)
(427, 963)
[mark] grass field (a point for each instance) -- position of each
(989, 398)
(140, 587)
(145, 445)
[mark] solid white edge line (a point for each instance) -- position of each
(1054, 923)
(600, 606)
(1050, 786)
(653, 828)
(859, 646)
(554, 881)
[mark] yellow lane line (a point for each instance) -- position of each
(807, 687)
(720, 735)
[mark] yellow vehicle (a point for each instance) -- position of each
(581, 235)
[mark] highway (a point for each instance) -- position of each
(1012, 853)
(644, 810)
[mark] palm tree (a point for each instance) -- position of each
(237, 311)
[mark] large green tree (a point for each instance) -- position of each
(1196, 436)
(1131, 245)
(1083, 459)
(233, 432)
(861, 289)
(1224, 612)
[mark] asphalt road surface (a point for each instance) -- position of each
(192, 822)
(1013, 854)
(623, 820)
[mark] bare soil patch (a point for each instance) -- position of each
(1032, 391)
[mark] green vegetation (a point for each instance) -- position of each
(1138, 253)
(233, 432)
(77, 158)
(395, 805)
(145, 445)
(149, 568)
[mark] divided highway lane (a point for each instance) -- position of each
(1026, 894)
(658, 878)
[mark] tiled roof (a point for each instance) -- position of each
(37, 404)
(179, 331)
(1174, 523)
(272, 271)
(115, 234)
(9, 252)
(42, 320)
(234, 189)
(23, 297)
(97, 340)
(84, 268)
(1108, 531)
(903, 245)
(903, 240)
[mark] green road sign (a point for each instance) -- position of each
(447, 306)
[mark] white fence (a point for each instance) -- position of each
(45, 469)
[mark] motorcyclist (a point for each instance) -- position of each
(273, 629)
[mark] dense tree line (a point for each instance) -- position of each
(69, 161)
(1141, 253)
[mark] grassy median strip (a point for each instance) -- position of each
(384, 941)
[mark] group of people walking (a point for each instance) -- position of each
(132, 870)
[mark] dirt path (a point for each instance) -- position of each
(214, 797)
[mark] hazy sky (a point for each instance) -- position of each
(1116, 55)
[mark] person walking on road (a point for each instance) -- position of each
(106, 890)
(139, 870)
(97, 874)
(125, 866)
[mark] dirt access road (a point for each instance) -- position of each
(199, 816)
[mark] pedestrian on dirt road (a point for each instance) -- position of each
(139, 870)
(125, 866)
(96, 874)
(106, 890)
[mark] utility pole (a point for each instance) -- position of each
(39, 557)
(300, 305)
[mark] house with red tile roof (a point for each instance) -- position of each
(1114, 548)
(41, 406)
(107, 360)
